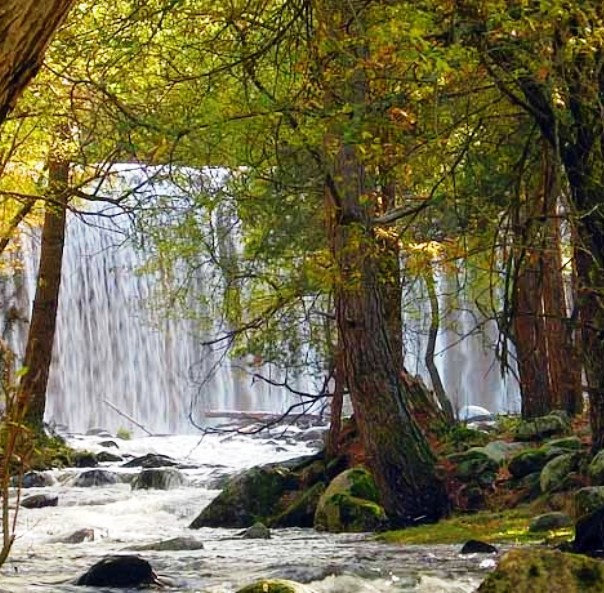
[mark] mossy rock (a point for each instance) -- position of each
(542, 428)
(544, 571)
(571, 443)
(528, 462)
(301, 510)
(502, 451)
(550, 522)
(275, 586)
(251, 496)
(350, 503)
(588, 500)
(556, 474)
(596, 469)
(474, 463)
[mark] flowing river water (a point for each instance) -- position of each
(122, 518)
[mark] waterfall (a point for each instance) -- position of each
(114, 349)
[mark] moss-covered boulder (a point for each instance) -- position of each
(251, 496)
(549, 522)
(542, 428)
(275, 586)
(527, 462)
(596, 469)
(571, 443)
(474, 463)
(300, 512)
(556, 475)
(588, 500)
(544, 571)
(350, 503)
(502, 451)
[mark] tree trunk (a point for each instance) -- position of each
(26, 28)
(38, 353)
(397, 451)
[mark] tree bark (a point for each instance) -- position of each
(38, 353)
(26, 28)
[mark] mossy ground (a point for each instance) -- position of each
(510, 526)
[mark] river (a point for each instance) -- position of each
(122, 518)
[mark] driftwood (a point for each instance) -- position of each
(262, 416)
(127, 417)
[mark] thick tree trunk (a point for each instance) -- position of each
(38, 353)
(26, 28)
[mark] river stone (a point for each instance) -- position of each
(176, 544)
(589, 534)
(36, 480)
(38, 501)
(527, 462)
(301, 510)
(163, 478)
(350, 504)
(250, 496)
(275, 586)
(474, 546)
(542, 427)
(118, 571)
(107, 457)
(84, 459)
(587, 500)
(257, 531)
(549, 522)
(555, 474)
(151, 460)
(526, 570)
(77, 537)
(95, 477)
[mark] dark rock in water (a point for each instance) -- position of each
(526, 570)
(119, 571)
(105, 456)
(38, 501)
(475, 546)
(109, 444)
(589, 534)
(301, 511)
(95, 477)
(257, 531)
(36, 480)
(165, 478)
(550, 521)
(176, 544)
(151, 460)
(98, 432)
(77, 537)
(84, 459)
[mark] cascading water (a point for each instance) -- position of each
(113, 350)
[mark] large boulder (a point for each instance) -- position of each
(151, 460)
(549, 522)
(118, 571)
(526, 570)
(589, 534)
(251, 496)
(528, 462)
(350, 504)
(166, 478)
(95, 477)
(502, 451)
(275, 586)
(542, 427)
(475, 464)
(300, 512)
(557, 474)
(38, 501)
(35, 479)
(587, 500)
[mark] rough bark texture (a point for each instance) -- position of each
(38, 353)
(397, 451)
(26, 28)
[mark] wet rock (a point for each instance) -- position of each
(301, 510)
(527, 462)
(84, 459)
(109, 444)
(350, 504)
(95, 477)
(98, 432)
(587, 500)
(528, 570)
(151, 460)
(256, 531)
(38, 501)
(176, 544)
(596, 469)
(165, 478)
(247, 497)
(475, 546)
(107, 457)
(36, 480)
(542, 427)
(556, 475)
(77, 537)
(118, 571)
(275, 586)
(589, 534)
(549, 521)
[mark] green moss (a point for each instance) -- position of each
(506, 526)
(274, 586)
(362, 485)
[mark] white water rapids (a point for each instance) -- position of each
(121, 517)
